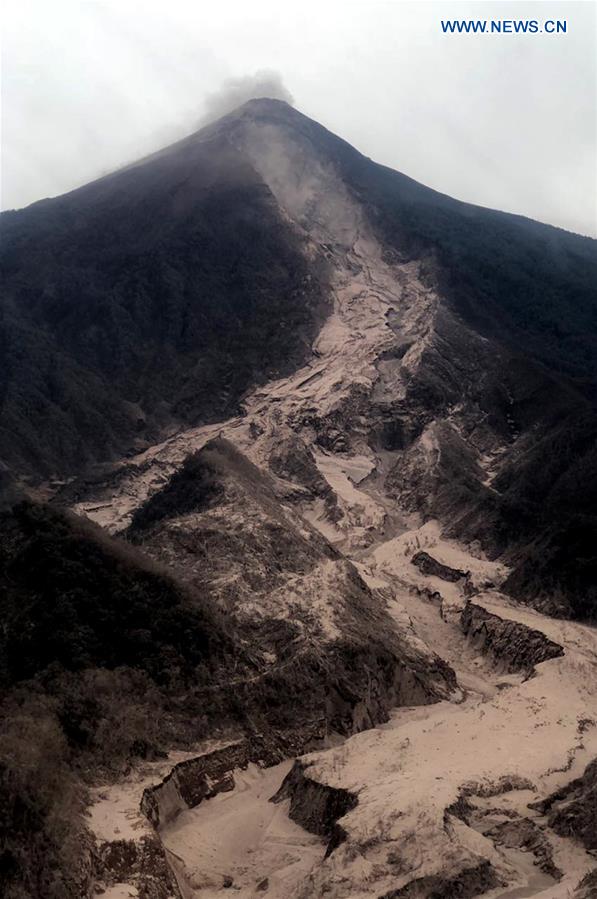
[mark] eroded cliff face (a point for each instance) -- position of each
(193, 780)
(445, 802)
(572, 810)
(516, 646)
(129, 855)
(450, 799)
(314, 805)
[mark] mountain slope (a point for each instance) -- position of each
(151, 298)
(247, 624)
(510, 277)
(463, 340)
(157, 297)
(222, 526)
(330, 419)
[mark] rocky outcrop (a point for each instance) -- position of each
(503, 825)
(525, 834)
(315, 806)
(504, 784)
(192, 781)
(587, 888)
(293, 459)
(196, 779)
(464, 807)
(572, 810)
(430, 566)
(466, 884)
(141, 864)
(510, 643)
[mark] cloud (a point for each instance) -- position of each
(236, 91)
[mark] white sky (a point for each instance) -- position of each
(507, 121)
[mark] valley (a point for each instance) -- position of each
(446, 793)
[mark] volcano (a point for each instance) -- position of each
(297, 451)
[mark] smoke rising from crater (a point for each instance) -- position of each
(88, 87)
(236, 91)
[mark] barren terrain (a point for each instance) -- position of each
(443, 795)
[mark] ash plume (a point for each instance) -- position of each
(236, 91)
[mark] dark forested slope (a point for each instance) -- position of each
(96, 646)
(152, 297)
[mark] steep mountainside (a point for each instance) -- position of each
(329, 423)
(158, 296)
(223, 527)
(108, 657)
(147, 300)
